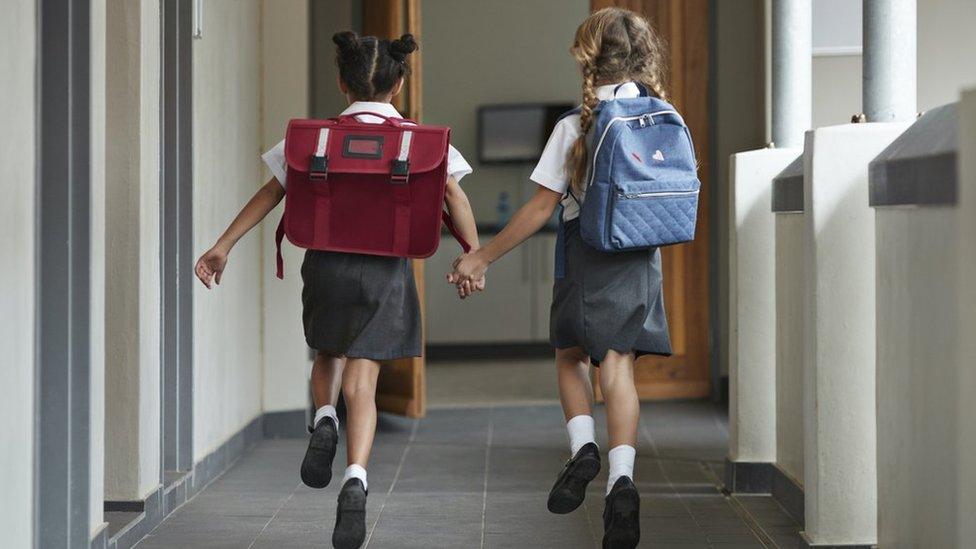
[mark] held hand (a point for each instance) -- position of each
(468, 288)
(211, 265)
(469, 274)
(469, 267)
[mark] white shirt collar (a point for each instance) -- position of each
(386, 109)
(621, 90)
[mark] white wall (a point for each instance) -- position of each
(285, 51)
(966, 430)
(836, 89)
(132, 307)
(739, 126)
(946, 43)
(478, 52)
(17, 110)
(789, 344)
(918, 408)
(226, 147)
(752, 304)
(97, 427)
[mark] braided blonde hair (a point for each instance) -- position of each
(613, 45)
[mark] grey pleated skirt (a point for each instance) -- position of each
(360, 306)
(608, 301)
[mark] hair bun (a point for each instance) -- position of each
(402, 47)
(346, 40)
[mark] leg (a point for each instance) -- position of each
(575, 389)
(316, 468)
(621, 525)
(326, 379)
(359, 391)
(620, 393)
(576, 396)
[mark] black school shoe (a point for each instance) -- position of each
(317, 465)
(621, 516)
(570, 489)
(350, 527)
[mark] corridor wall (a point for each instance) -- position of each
(98, 267)
(286, 95)
(946, 43)
(226, 143)
(17, 110)
(132, 307)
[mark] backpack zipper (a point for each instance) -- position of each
(613, 121)
(655, 194)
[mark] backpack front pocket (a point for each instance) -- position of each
(653, 214)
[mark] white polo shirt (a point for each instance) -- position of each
(457, 166)
(553, 170)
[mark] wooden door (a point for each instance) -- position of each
(684, 26)
(402, 383)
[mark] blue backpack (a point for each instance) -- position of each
(642, 186)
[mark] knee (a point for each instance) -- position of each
(358, 388)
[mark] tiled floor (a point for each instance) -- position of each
(479, 477)
(491, 382)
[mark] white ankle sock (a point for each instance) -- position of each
(326, 411)
(581, 432)
(355, 471)
(621, 464)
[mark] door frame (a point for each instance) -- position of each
(62, 390)
(685, 26)
(176, 235)
(402, 385)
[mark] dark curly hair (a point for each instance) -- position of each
(371, 67)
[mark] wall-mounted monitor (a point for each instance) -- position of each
(511, 134)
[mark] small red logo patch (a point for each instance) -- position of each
(637, 157)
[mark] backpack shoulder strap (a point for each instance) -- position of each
(449, 223)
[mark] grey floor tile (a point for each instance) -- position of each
(205, 532)
(520, 539)
(436, 470)
(296, 534)
(519, 470)
(439, 531)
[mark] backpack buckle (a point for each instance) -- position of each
(318, 168)
(400, 172)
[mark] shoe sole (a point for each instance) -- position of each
(317, 466)
(350, 528)
(567, 497)
(624, 532)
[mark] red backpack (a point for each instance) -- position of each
(374, 189)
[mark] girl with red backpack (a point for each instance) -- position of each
(358, 309)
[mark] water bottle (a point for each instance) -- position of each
(503, 210)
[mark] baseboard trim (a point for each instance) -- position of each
(789, 494)
(488, 351)
(164, 500)
(286, 424)
(805, 544)
(748, 478)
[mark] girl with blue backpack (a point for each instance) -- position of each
(622, 169)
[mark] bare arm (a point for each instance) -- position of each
(211, 264)
(460, 209)
(527, 221)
